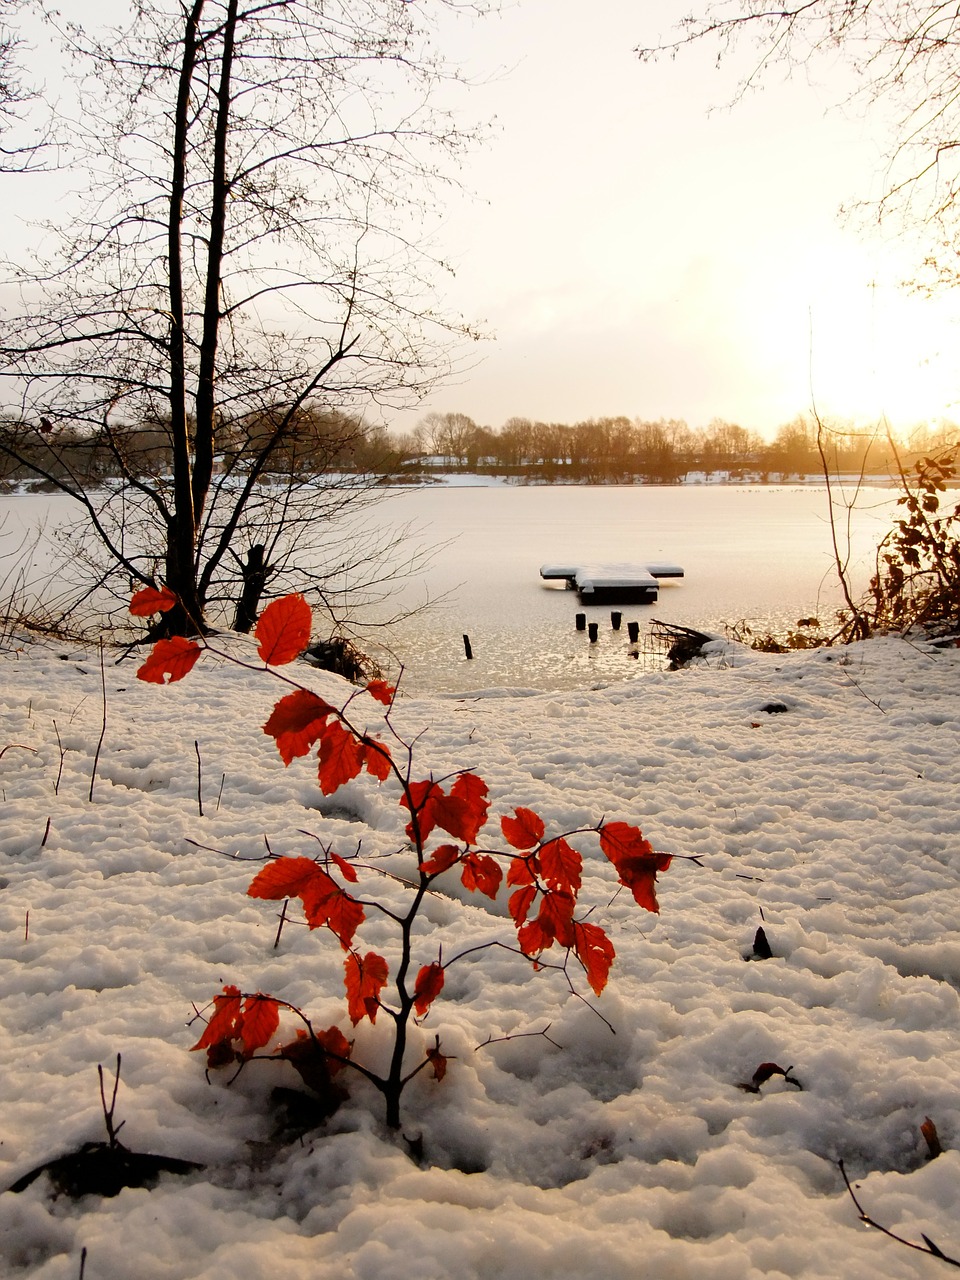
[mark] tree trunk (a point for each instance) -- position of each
(254, 571)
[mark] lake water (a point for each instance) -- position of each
(757, 554)
(760, 555)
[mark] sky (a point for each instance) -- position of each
(636, 246)
(629, 243)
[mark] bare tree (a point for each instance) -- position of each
(904, 58)
(248, 262)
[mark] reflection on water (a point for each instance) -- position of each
(762, 555)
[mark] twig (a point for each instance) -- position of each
(209, 848)
(83, 1262)
(519, 1035)
(56, 785)
(927, 1247)
(108, 1111)
(46, 833)
(26, 927)
(103, 726)
(223, 778)
(196, 747)
(20, 747)
(283, 919)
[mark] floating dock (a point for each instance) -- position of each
(618, 583)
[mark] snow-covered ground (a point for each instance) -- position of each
(834, 822)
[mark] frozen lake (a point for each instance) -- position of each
(761, 554)
(757, 554)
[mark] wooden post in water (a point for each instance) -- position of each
(615, 619)
(594, 632)
(581, 622)
(466, 646)
(633, 631)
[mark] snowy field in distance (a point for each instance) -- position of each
(834, 822)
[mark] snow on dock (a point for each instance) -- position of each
(613, 583)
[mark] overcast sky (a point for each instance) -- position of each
(633, 252)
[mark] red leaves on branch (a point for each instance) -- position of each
(296, 722)
(428, 986)
(252, 1021)
(283, 630)
(364, 979)
(461, 813)
(301, 719)
(324, 902)
(170, 660)
(545, 876)
(148, 601)
(636, 861)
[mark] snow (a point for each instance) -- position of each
(832, 822)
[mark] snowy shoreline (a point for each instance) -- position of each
(833, 822)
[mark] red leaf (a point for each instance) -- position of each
(148, 601)
(283, 631)
(382, 691)
(417, 802)
(561, 865)
(173, 658)
(347, 870)
(259, 1022)
(364, 980)
(442, 858)
(223, 1025)
(376, 757)
(428, 986)
(471, 794)
(619, 840)
(335, 1042)
(533, 938)
(636, 861)
(521, 902)
(595, 952)
(482, 873)
(286, 878)
(523, 870)
(556, 916)
(296, 722)
(438, 1062)
(343, 915)
(525, 831)
(341, 757)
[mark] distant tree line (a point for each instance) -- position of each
(596, 451)
(623, 450)
(314, 443)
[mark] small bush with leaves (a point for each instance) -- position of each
(916, 581)
(444, 821)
